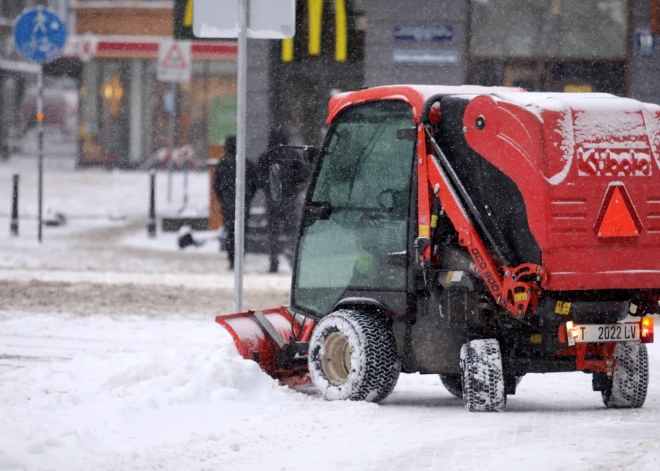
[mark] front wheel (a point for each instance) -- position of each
(628, 385)
(353, 356)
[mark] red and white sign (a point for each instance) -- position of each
(86, 47)
(174, 61)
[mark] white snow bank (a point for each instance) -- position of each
(118, 393)
(171, 394)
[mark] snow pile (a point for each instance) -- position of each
(104, 400)
(130, 381)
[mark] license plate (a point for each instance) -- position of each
(595, 333)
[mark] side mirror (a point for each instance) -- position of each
(288, 165)
(310, 153)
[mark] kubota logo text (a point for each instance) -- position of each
(598, 162)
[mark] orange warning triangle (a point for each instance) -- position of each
(617, 216)
(174, 58)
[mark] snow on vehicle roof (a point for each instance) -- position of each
(595, 116)
(415, 95)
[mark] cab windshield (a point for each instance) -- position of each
(365, 177)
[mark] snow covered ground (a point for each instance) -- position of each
(110, 360)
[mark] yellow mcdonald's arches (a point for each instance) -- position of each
(341, 31)
(188, 17)
(315, 19)
(315, 11)
(287, 50)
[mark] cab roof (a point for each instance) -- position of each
(415, 95)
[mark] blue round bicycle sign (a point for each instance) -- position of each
(39, 35)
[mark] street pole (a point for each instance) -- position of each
(170, 163)
(40, 130)
(241, 123)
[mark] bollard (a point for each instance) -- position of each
(186, 166)
(185, 185)
(13, 225)
(151, 226)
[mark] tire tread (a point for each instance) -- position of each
(630, 380)
(380, 354)
(483, 376)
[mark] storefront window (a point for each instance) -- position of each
(104, 113)
(548, 28)
(126, 112)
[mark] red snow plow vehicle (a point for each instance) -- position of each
(476, 233)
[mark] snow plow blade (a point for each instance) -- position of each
(275, 339)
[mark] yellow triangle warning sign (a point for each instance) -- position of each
(617, 217)
(175, 59)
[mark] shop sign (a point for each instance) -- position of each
(426, 58)
(644, 42)
(174, 61)
(424, 33)
(578, 88)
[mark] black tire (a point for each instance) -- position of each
(453, 383)
(483, 376)
(627, 387)
(368, 371)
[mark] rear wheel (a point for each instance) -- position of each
(353, 356)
(483, 376)
(628, 385)
(453, 383)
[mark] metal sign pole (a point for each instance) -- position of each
(170, 163)
(40, 36)
(40, 130)
(241, 123)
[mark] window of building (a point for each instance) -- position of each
(126, 112)
(548, 28)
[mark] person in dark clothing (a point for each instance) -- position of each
(282, 215)
(224, 185)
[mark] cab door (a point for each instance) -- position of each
(357, 211)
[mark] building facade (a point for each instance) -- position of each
(544, 45)
(125, 111)
(607, 46)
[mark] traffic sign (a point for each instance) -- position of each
(269, 19)
(39, 35)
(174, 61)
